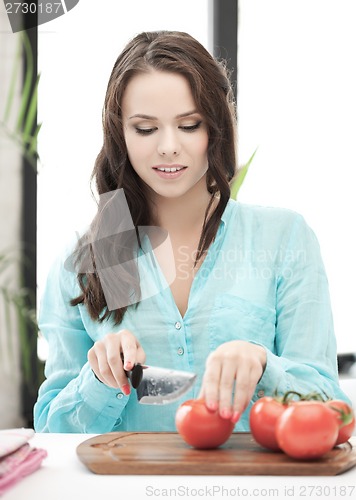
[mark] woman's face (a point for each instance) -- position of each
(166, 137)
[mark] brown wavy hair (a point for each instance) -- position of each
(175, 52)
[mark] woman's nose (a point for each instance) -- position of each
(169, 144)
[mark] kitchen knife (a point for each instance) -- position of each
(159, 386)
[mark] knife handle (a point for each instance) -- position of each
(135, 375)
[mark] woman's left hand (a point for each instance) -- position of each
(237, 363)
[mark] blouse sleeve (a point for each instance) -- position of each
(304, 358)
(71, 399)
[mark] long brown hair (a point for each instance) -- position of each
(176, 52)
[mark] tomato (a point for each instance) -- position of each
(307, 429)
(200, 427)
(263, 417)
(345, 418)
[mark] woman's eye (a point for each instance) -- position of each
(191, 128)
(144, 131)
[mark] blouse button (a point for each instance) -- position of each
(180, 351)
(119, 395)
(178, 325)
(261, 393)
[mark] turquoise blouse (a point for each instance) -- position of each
(262, 281)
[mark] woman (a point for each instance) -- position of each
(235, 293)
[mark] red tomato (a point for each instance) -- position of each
(263, 417)
(307, 429)
(345, 418)
(200, 427)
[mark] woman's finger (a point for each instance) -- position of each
(93, 362)
(211, 380)
(113, 348)
(111, 356)
(129, 346)
(103, 370)
(247, 377)
(131, 354)
(226, 385)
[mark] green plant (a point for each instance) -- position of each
(240, 177)
(17, 302)
(20, 125)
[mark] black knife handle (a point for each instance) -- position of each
(135, 375)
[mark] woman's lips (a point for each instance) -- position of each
(169, 171)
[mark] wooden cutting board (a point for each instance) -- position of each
(161, 453)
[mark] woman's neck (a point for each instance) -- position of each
(179, 216)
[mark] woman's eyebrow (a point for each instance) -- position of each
(145, 117)
(188, 113)
(148, 117)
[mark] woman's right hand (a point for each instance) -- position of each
(114, 353)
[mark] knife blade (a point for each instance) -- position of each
(159, 386)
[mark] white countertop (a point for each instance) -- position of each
(62, 476)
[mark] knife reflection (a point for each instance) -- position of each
(159, 386)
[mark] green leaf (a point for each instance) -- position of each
(25, 132)
(240, 177)
(33, 143)
(31, 115)
(26, 91)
